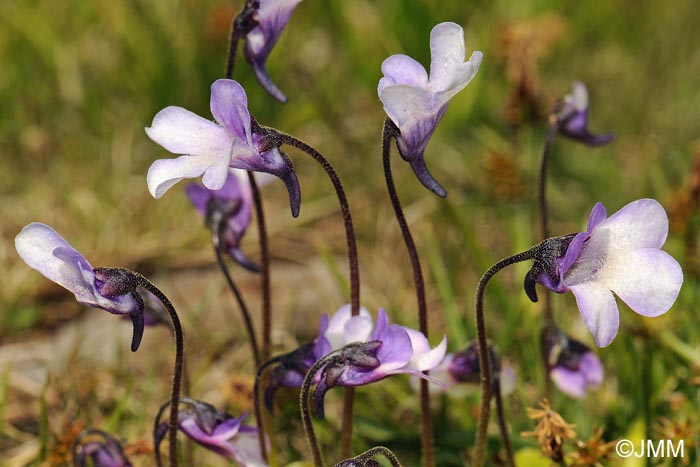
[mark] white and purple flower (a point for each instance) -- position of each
(620, 254)
(573, 367)
(271, 17)
(416, 102)
(43, 249)
(217, 431)
(368, 355)
(210, 148)
(572, 117)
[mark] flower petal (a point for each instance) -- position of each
(571, 383)
(246, 449)
(447, 53)
(424, 361)
(579, 96)
(165, 173)
(343, 328)
(599, 311)
(647, 280)
(406, 104)
(183, 132)
(402, 69)
(229, 106)
(640, 224)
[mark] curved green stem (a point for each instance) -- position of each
(390, 131)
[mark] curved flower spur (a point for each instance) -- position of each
(416, 102)
(210, 148)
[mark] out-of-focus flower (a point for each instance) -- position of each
(210, 148)
(619, 254)
(571, 115)
(43, 249)
(216, 431)
(228, 209)
(573, 367)
(104, 453)
(270, 19)
(463, 367)
(416, 102)
(388, 350)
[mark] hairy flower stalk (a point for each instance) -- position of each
(549, 247)
(112, 289)
(365, 459)
(391, 132)
(276, 138)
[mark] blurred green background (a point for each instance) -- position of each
(81, 79)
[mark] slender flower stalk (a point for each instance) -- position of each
(391, 132)
(502, 423)
(139, 280)
(353, 263)
(365, 459)
(484, 361)
(216, 243)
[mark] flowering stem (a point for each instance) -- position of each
(216, 243)
(502, 425)
(390, 131)
(544, 230)
(353, 263)
(305, 410)
(242, 24)
(257, 407)
(361, 459)
(141, 281)
(264, 268)
(484, 360)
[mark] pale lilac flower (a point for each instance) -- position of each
(334, 332)
(218, 432)
(271, 18)
(43, 249)
(619, 254)
(105, 453)
(573, 367)
(232, 204)
(416, 102)
(210, 148)
(388, 350)
(572, 117)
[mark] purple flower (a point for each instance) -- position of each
(106, 453)
(216, 431)
(231, 206)
(463, 367)
(210, 148)
(334, 332)
(573, 367)
(43, 249)
(416, 102)
(387, 350)
(619, 254)
(271, 18)
(572, 117)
